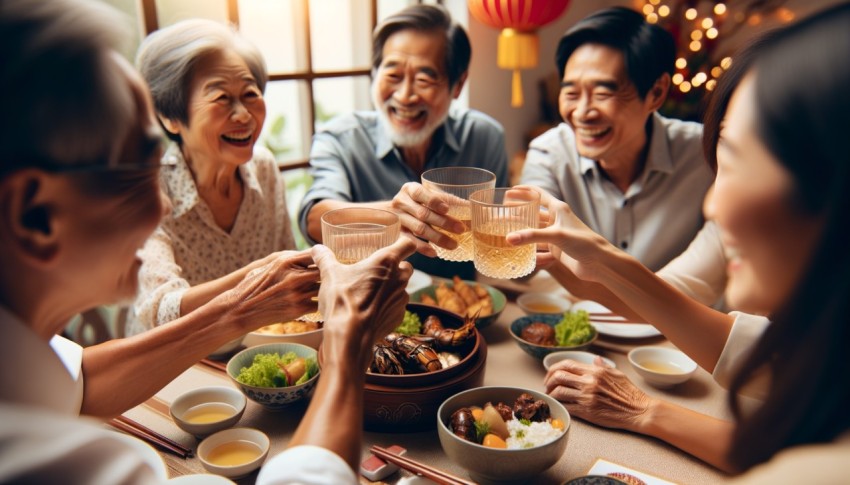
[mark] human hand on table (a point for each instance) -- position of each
(363, 301)
(419, 211)
(597, 393)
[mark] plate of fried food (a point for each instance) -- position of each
(298, 331)
(465, 298)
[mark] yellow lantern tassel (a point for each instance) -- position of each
(516, 89)
(517, 50)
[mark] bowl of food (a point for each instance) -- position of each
(577, 355)
(408, 379)
(503, 433)
(464, 298)
(275, 375)
(234, 452)
(205, 410)
(543, 303)
(662, 366)
(297, 331)
(541, 334)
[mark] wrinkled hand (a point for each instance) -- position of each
(569, 240)
(419, 211)
(280, 290)
(597, 393)
(364, 301)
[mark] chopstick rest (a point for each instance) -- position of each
(376, 469)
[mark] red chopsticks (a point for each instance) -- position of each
(144, 433)
(421, 469)
(215, 364)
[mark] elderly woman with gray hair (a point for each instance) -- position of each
(228, 210)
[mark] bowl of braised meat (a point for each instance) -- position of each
(503, 433)
(541, 334)
(415, 368)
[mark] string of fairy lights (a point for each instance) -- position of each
(699, 26)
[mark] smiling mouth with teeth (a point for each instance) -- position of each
(236, 138)
(592, 132)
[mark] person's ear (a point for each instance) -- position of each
(27, 217)
(172, 126)
(458, 87)
(658, 92)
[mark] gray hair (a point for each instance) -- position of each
(64, 99)
(168, 56)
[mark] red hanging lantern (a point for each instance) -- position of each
(518, 44)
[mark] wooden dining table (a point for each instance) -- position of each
(507, 365)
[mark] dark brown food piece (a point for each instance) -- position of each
(526, 407)
(463, 424)
(505, 411)
(539, 333)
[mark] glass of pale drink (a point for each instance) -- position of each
(458, 183)
(354, 233)
(495, 213)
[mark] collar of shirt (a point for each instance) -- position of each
(180, 184)
(33, 373)
(658, 158)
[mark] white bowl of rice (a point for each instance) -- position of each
(537, 433)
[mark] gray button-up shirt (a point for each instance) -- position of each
(659, 214)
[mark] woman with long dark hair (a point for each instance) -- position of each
(780, 201)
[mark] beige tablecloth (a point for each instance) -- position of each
(507, 364)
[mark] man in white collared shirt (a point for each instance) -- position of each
(632, 175)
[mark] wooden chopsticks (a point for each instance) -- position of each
(608, 317)
(215, 364)
(144, 433)
(421, 469)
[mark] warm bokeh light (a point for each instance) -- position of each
(785, 15)
(720, 8)
(695, 45)
(711, 84)
(726, 62)
(654, 2)
(716, 71)
(711, 33)
(652, 18)
(691, 13)
(678, 78)
(696, 35)
(707, 23)
(664, 10)
(700, 78)
(681, 63)
(754, 19)
(685, 87)
(648, 9)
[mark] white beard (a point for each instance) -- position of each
(406, 139)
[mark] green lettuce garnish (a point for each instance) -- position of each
(573, 329)
(265, 372)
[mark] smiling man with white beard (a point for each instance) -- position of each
(375, 158)
(632, 175)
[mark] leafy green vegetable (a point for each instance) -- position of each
(265, 371)
(481, 430)
(573, 329)
(524, 421)
(410, 324)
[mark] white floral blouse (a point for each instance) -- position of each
(189, 248)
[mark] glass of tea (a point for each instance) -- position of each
(354, 233)
(458, 183)
(495, 213)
